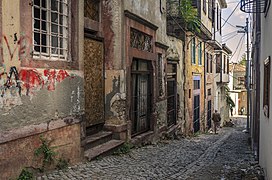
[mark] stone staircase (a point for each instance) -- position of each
(99, 144)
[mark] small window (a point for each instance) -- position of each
(207, 62)
(160, 75)
(211, 63)
(209, 92)
(193, 51)
(200, 53)
(218, 63)
(196, 84)
(266, 88)
(204, 6)
(50, 29)
(210, 9)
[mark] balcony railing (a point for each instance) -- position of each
(254, 6)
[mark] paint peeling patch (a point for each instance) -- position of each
(118, 107)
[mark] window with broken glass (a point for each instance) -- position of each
(50, 29)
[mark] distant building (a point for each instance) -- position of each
(237, 88)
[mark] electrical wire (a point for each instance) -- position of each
(231, 33)
(227, 39)
(237, 46)
(230, 15)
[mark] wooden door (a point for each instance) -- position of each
(94, 81)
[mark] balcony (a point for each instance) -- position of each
(254, 6)
(222, 78)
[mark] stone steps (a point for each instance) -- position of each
(102, 149)
(96, 139)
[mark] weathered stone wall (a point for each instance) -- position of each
(16, 154)
(115, 74)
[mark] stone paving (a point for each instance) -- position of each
(208, 156)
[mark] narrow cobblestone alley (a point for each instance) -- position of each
(207, 156)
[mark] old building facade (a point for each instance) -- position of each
(260, 80)
(89, 75)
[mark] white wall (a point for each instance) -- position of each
(265, 123)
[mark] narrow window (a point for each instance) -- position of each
(266, 88)
(200, 53)
(193, 49)
(218, 63)
(204, 6)
(217, 17)
(209, 92)
(50, 29)
(207, 62)
(160, 75)
(210, 9)
(211, 63)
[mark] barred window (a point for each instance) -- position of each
(50, 29)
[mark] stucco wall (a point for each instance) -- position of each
(152, 11)
(265, 123)
(33, 95)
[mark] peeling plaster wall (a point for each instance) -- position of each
(153, 12)
(31, 95)
(115, 74)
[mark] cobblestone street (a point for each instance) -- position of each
(207, 156)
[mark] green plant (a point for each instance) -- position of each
(189, 16)
(124, 149)
(25, 175)
(62, 164)
(229, 101)
(47, 152)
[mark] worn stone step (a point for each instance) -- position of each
(96, 139)
(103, 149)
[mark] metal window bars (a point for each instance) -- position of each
(254, 6)
(50, 29)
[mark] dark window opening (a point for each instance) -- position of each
(266, 91)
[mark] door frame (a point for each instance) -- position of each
(174, 78)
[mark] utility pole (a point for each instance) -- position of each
(245, 30)
(248, 77)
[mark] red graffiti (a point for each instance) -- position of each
(62, 74)
(23, 51)
(30, 78)
(51, 76)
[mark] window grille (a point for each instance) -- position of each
(50, 29)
